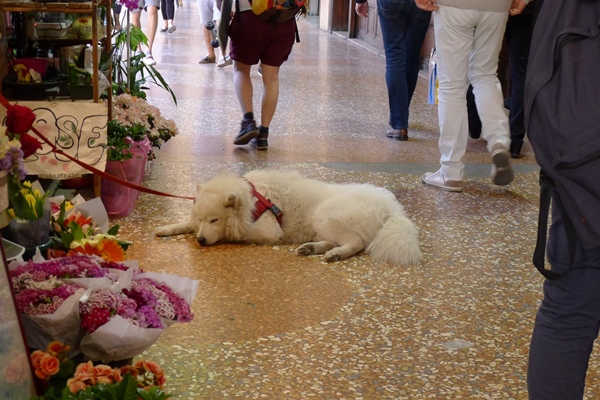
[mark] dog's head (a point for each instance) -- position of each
(220, 213)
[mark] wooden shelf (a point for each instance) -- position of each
(30, 6)
(90, 7)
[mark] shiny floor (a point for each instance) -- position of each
(272, 325)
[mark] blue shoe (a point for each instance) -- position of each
(248, 132)
(261, 142)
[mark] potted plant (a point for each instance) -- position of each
(129, 73)
(64, 380)
(136, 130)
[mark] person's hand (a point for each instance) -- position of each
(428, 5)
(362, 9)
(516, 7)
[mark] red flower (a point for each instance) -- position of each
(19, 119)
(29, 145)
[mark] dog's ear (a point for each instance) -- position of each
(231, 201)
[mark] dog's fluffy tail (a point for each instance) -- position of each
(396, 242)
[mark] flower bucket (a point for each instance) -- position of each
(30, 233)
(119, 200)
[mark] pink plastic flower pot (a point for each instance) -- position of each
(119, 200)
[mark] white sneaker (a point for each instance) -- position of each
(149, 60)
(437, 179)
(224, 61)
(172, 29)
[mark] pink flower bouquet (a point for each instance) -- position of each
(116, 326)
(48, 305)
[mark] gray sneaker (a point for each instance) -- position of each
(502, 172)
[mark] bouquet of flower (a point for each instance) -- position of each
(122, 325)
(11, 155)
(76, 233)
(144, 380)
(161, 298)
(135, 113)
(116, 326)
(26, 201)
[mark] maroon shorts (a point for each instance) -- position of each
(254, 40)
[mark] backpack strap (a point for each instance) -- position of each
(539, 254)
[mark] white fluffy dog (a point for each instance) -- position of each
(337, 220)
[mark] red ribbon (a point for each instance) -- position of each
(96, 171)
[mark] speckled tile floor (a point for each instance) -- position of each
(272, 325)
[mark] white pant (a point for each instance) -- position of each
(468, 44)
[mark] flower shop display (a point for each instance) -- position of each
(105, 310)
(64, 380)
(83, 229)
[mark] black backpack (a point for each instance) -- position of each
(562, 100)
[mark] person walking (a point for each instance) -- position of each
(561, 100)
(403, 29)
(519, 29)
(468, 38)
(208, 20)
(167, 8)
(151, 7)
(254, 40)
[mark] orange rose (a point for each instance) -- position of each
(76, 385)
(117, 377)
(129, 369)
(49, 365)
(36, 356)
(155, 369)
(41, 375)
(102, 370)
(84, 371)
(55, 348)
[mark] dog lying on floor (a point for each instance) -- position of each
(271, 207)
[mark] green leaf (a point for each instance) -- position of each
(113, 230)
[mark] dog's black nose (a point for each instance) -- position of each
(202, 240)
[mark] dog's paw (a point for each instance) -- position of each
(307, 249)
(163, 231)
(333, 255)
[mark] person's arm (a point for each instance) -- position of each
(517, 6)
(427, 5)
(362, 8)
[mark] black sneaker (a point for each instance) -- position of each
(261, 142)
(248, 131)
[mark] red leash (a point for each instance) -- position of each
(96, 171)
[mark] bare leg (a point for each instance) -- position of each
(152, 25)
(207, 40)
(243, 85)
(270, 97)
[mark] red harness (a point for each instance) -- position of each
(263, 204)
